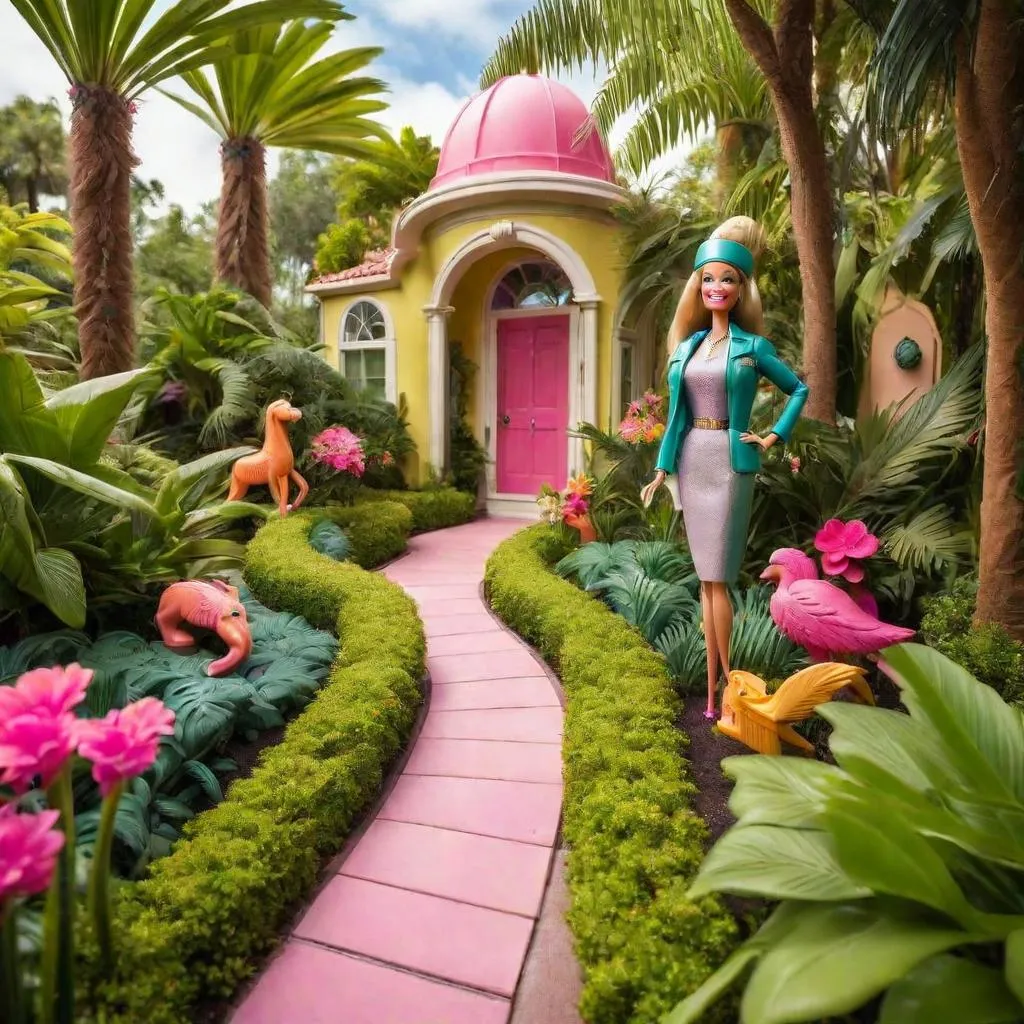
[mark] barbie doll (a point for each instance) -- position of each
(717, 355)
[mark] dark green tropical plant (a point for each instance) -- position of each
(897, 871)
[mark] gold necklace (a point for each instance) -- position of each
(712, 344)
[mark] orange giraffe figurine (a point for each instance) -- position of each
(274, 465)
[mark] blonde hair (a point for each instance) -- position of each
(692, 315)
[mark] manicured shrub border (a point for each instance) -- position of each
(435, 509)
(635, 844)
(378, 530)
(198, 925)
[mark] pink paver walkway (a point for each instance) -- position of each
(428, 919)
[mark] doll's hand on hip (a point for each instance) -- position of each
(749, 438)
(648, 492)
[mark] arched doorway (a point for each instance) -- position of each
(530, 330)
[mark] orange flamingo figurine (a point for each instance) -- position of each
(274, 464)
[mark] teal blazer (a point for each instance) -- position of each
(750, 358)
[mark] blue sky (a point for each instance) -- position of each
(434, 50)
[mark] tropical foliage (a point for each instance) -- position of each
(32, 151)
(288, 663)
(372, 191)
(652, 585)
(271, 92)
(110, 56)
(118, 536)
(894, 871)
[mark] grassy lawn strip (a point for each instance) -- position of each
(634, 841)
(200, 923)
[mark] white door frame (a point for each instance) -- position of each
(490, 403)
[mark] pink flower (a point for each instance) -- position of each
(28, 851)
(32, 745)
(340, 449)
(794, 464)
(653, 400)
(574, 505)
(842, 546)
(125, 743)
(387, 459)
(49, 691)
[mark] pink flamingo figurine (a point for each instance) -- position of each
(819, 616)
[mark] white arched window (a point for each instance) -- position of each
(366, 352)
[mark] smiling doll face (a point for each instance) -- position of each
(720, 286)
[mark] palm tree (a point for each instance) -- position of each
(654, 49)
(32, 156)
(973, 50)
(268, 94)
(110, 58)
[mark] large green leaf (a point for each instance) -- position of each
(981, 734)
(1014, 968)
(84, 483)
(61, 584)
(88, 412)
(776, 863)
(951, 990)
(879, 850)
(25, 425)
(770, 790)
(184, 477)
(837, 957)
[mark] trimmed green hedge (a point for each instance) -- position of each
(634, 842)
(201, 922)
(379, 530)
(431, 510)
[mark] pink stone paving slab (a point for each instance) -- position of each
(525, 725)
(468, 945)
(443, 592)
(487, 872)
(470, 668)
(486, 759)
(496, 639)
(430, 916)
(451, 606)
(307, 984)
(501, 693)
(454, 625)
(526, 812)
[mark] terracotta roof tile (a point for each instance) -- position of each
(376, 264)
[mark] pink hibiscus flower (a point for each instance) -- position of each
(125, 743)
(843, 546)
(49, 691)
(29, 845)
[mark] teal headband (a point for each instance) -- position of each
(724, 250)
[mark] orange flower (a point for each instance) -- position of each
(580, 484)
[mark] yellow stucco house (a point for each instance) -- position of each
(511, 252)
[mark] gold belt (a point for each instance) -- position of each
(703, 423)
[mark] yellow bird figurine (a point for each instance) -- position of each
(762, 722)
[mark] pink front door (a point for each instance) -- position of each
(533, 403)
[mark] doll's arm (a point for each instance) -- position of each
(772, 367)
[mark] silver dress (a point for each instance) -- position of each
(715, 500)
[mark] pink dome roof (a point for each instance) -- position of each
(521, 123)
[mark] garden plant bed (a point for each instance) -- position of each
(199, 924)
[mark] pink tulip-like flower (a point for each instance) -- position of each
(45, 691)
(842, 546)
(125, 743)
(574, 505)
(340, 449)
(28, 851)
(33, 745)
(794, 465)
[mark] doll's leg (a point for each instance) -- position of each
(723, 623)
(710, 642)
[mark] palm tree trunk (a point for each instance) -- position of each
(990, 90)
(32, 190)
(786, 59)
(243, 254)
(102, 161)
(728, 156)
